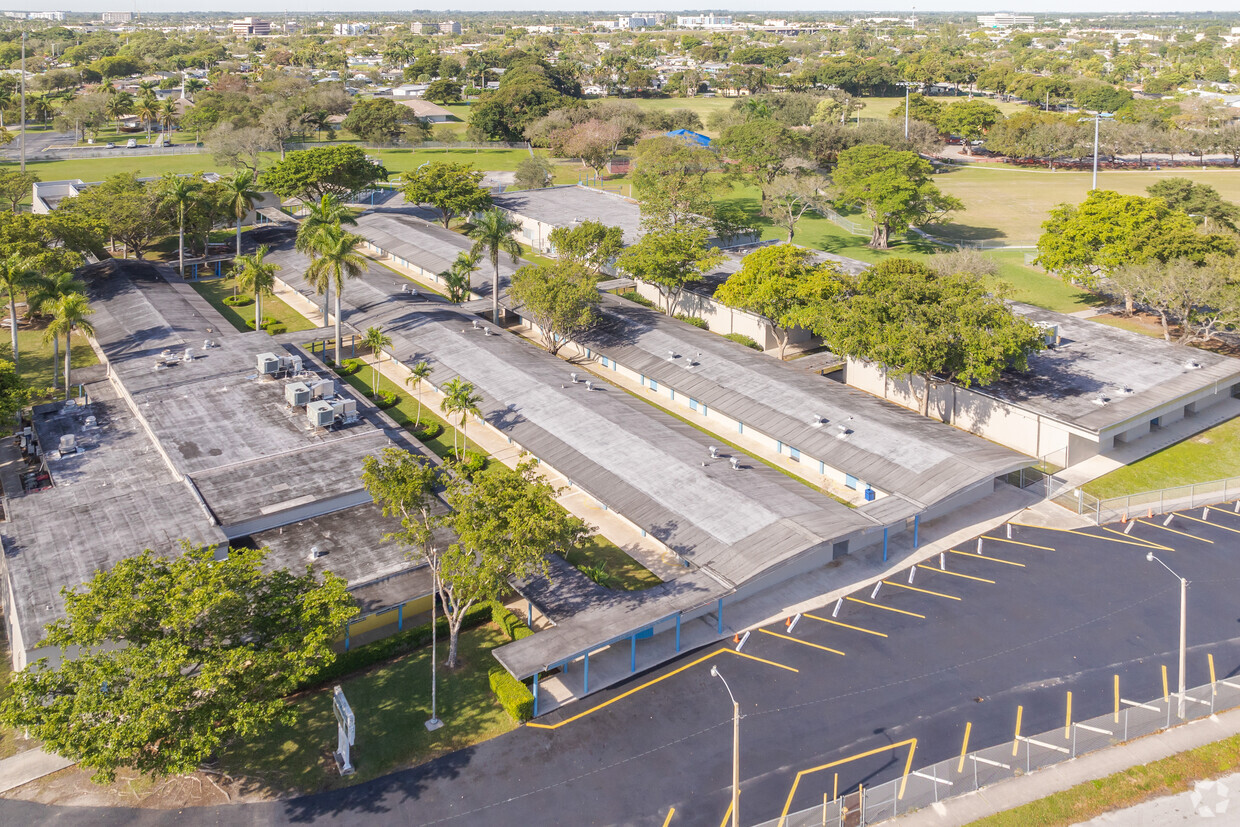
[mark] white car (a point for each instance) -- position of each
(131, 144)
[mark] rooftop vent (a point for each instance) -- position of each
(297, 394)
(714, 452)
(1101, 400)
(315, 553)
(671, 356)
(589, 385)
(819, 421)
(1124, 390)
(68, 444)
(1192, 364)
(268, 364)
(573, 376)
(736, 464)
(475, 322)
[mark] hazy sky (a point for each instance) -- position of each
(274, 7)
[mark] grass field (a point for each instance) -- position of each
(623, 571)
(393, 702)
(217, 290)
(1208, 456)
(1172, 775)
(36, 355)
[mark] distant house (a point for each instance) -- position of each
(690, 136)
(427, 111)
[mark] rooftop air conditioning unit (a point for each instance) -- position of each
(297, 394)
(322, 389)
(68, 444)
(345, 409)
(268, 364)
(321, 414)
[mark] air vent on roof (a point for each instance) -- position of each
(297, 394)
(573, 376)
(714, 452)
(1101, 400)
(589, 385)
(671, 356)
(315, 553)
(1192, 364)
(736, 464)
(1124, 390)
(819, 421)
(268, 364)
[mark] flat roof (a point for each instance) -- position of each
(644, 464)
(569, 205)
(733, 257)
(1132, 372)
(887, 446)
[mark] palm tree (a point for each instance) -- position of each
(71, 311)
(457, 277)
(39, 107)
(459, 398)
(327, 214)
(180, 192)
(119, 103)
(420, 371)
(492, 233)
(147, 88)
(192, 86)
(239, 195)
(168, 116)
(258, 276)
(335, 259)
(17, 274)
(6, 101)
(375, 341)
(43, 297)
(148, 110)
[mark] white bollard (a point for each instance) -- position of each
(877, 586)
(744, 638)
(1009, 531)
(1169, 518)
(979, 545)
(943, 560)
(794, 622)
(1128, 528)
(1205, 513)
(911, 572)
(836, 611)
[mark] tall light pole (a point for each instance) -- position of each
(433, 723)
(23, 147)
(736, 749)
(907, 86)
(1097, 118)
(1183, 624)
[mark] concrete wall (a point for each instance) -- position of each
(723, 319)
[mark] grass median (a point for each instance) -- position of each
(1211, 455)
(216, 290)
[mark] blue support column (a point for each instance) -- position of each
(719, 611)
(400, 617)
(633, 654)
(535, 694)
(529, 614)
(677, 633)
(884, 545)
(346, 636)
(916, 524)
(585, 679)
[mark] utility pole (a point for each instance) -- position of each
(23, 147)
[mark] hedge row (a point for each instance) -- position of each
(509, 622)
(638, 298)
(741, 338)
(427, 430)
(696, 321)
(238, 301)
(514, 696)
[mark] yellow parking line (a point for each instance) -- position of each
(880, 606)
(984, 557)
(1207, 522)
(954, 573)
(1127, 540)
(1139, 541)
(915, 589)
(802, 642)
(908, 764)
(1016, 542)
(1173, 531)
(845, 625)
(671, 813)
(652, 682)
(726, 815)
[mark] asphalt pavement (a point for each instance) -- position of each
(1044, 613)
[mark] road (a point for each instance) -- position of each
(1052, 611)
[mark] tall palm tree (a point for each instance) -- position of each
(192, 86)
(256, 275)
(335, 258)
(328, 213)
(421, 370)
(6, 101)
(492, 234)
(457, 277)
(148, 110)
(240, 196)
(147, 88)
(71, 312)
(43, 297)
(459, 399)
(180, 192)
(39, 107)
(17, 275)
(168, 115)
(375, 341)
(119, 103)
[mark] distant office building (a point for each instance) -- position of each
(346, 29)
(251, 25)
(704, 21)
(1004, 20)
(641, 20)
(46, 15)
(116, 16)
(445, 27)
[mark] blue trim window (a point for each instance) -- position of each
(779, 447)
(850, 482)
(654, 384)
(693, 404)
(794, 453)
(822, 467)
(740, 427)
(643, 380)
(671, 392)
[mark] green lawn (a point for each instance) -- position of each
(391, 703)
(1084, 802)
(36, 355)
(623, 571)
(1208, 456)
(216, 290)
(1132, 325)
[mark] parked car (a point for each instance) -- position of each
(131, 144)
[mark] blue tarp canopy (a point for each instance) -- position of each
(689, 135)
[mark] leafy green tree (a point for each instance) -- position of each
(375, 341)
(504, 114)
(913, 322)
(1090, 241)
(207, 651)
(1202, 297)
(335, 259)
(419, 372)
(561, 299)
(452, 189)
(123, 209)
(492, 234)
(506, 524)
(533, 172)
(592, 243)
(670, 260)
(16, 186)
(309, 174)
(789, 197)
(969, 120)
(920, 108)
(784, 284)
(256, 275)
(69, 314)
(1201, 202)
(892, 188)
(459, 400)
(15, 392)
(378, 119)
(324, 218)
(762, 149)
(17, 275)
(673, 182)
(443, 91)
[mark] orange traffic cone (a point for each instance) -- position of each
(788, 622)
(736, 638)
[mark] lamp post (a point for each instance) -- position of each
(1097, 118)
(433, 723)
(736, 749)
(907, 86)
(1183, 624)
(23, 135)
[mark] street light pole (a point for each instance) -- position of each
(433, 723)
(1183, 626)
(23, 146)
(736, 749)
(1097, 118)
(906, 112)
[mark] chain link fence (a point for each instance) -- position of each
(973, 770)
(1146, 503)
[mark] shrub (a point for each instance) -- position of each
(238, 301)
(427, 430)
(513, 626)
(696, 321)
(634, 296)
(350, 367)
(741, 338)
(387, 399)
(471, 463)
(513, 695)
(277, 328)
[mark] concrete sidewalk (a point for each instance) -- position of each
(1015, 792)
(27, 766)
